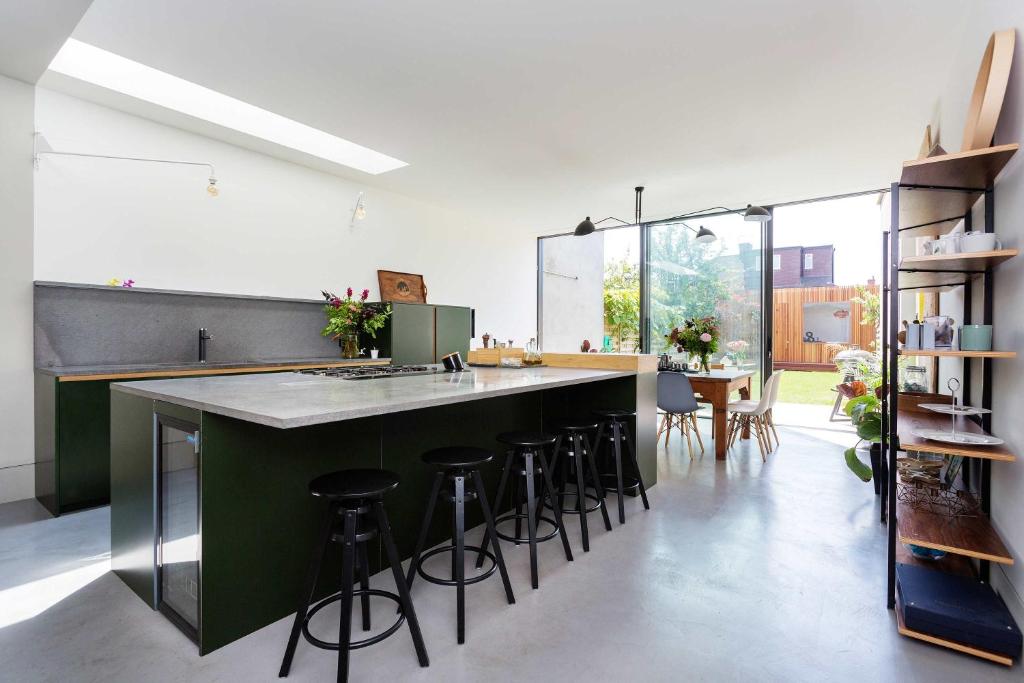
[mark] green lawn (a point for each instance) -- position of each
(809, 387)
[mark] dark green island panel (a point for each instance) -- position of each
(258, 521)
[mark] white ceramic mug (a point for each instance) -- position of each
(972, 242)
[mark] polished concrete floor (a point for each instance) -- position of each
(741, 571)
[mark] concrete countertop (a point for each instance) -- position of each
(132, 368)
(286, 400)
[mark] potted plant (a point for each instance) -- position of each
(698, 337)
(347, 317)
(865, 413)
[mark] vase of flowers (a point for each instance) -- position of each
(738, 350)
(348, 317)
(698, 337)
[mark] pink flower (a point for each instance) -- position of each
(348, 292)
(336, 302)
(706, 338)
(365, 295)
(353, 308)
(128, 283)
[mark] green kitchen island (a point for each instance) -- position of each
(211, 519)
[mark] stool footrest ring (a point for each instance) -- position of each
(598, 502)
(366, 642)
(525, 539)
(610, 481)
(451, 549)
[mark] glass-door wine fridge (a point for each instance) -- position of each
(178, 549)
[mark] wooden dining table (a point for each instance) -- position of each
(715, 388)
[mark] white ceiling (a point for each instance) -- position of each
(31, 32)
(536, 113)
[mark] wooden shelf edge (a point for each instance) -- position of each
(959, 156)
(902, 629)
(904, 511)
(922, 262)
(957, 354)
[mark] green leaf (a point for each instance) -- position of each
(862, 471)
(870, 428)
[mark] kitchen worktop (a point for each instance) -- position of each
(287, 400)
(149, 368)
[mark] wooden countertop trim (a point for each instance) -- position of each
(202, 372)
(602, 361)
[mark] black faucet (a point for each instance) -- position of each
(204, 336)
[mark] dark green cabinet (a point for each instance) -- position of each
(72, 465)
(453, 329)
(418, 334)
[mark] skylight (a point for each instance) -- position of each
(105, 69)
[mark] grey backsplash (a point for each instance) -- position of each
(100, 325)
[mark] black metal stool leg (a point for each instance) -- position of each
(348, 559)
(425, 529)
(555, 506)
(517, 504)
(617, 450)
(598, 486)
(403, 589)
(492, 532)
(460, 554)
(636, 466)
(494, 511)
(581, 489)
(319, 550)
(531, 516)
(364, 583)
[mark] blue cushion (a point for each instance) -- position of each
(956, 608)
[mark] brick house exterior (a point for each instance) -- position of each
(804, 266)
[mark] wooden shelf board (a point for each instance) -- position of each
(902, 629)
(922, 271)
(959, 262)
(973, 169)
(969, 536)
(908, 421)
(958, 565)
(203, 372)
(932, 281)
(958, 354)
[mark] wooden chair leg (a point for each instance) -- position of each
(661, 429)
(696, 429)
(684, 429)
(771, 423)
(756, 425)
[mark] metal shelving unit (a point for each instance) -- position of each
(932, 196)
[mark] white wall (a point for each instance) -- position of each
(16, 446)
(1007, 478)
(573, 309)
(277, 228)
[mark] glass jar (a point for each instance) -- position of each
(532, 355)
(915, 379)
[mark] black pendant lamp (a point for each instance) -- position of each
(585, 227)
(757, 213)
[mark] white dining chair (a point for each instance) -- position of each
(751, 415)
(770, 415)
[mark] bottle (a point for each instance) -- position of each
(532, 356)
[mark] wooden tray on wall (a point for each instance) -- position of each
(406, 287)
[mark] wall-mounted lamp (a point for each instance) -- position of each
(41, 147)
(359, 211)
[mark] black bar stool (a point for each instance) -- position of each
(456, 464)
(355, 515)
(615, 431)
(576, 460)
(525, 461)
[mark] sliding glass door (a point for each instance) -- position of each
(720, 278)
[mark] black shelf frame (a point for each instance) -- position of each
(977, 473)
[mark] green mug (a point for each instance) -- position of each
(975, 337)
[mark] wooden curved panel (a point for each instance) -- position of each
(989, 90)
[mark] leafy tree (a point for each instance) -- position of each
(622, 300)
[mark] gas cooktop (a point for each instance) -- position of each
(372, 372)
